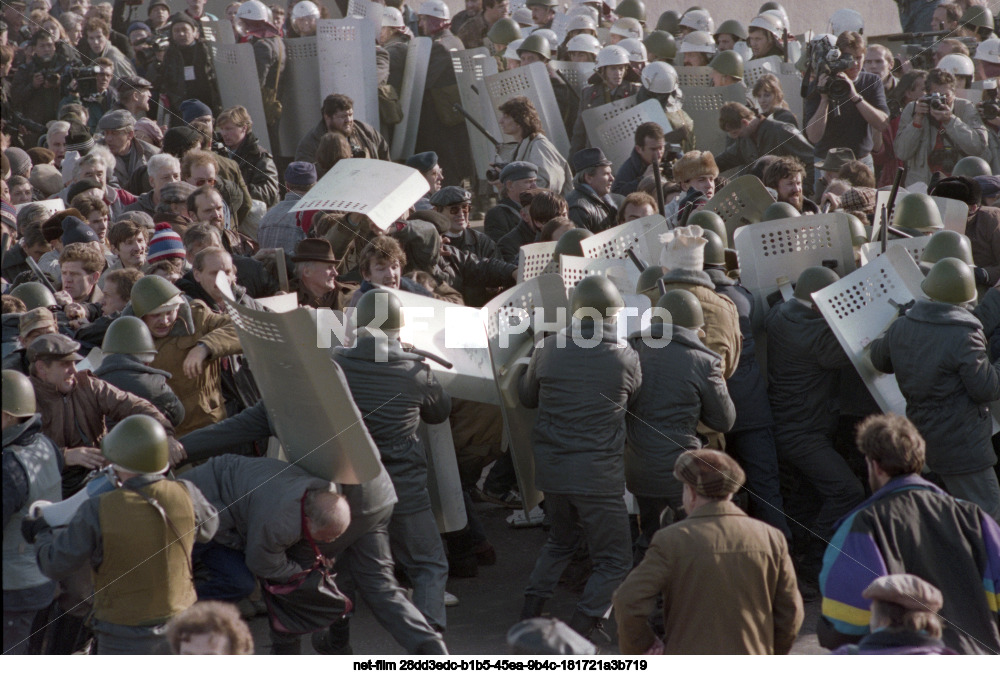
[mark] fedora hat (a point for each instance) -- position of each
(314, 250)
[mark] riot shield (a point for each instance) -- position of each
(472, 66)
(622, 273)
(533, 82)
(595, 117)
(236, 70)
(347, 64)
(915, 247)
(404, 135)
(740, 202)
(693, 76)
(443, 481)
(301, 99)
(535, 259)
(702, 104)
(574, 74)
(367, 10)
(642, 236)
(616, 136)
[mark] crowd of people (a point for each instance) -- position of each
(762, 472)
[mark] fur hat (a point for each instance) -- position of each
(694, 164)
(683, 248)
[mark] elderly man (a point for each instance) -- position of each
(338, 115)
(161, 170)
(455, 202)
(134, 94)
(909, 525)
(727, 581)
(280, 228)
(55, 140)
(590, 203)
(130, 153)
(316, 276)
(515, 178)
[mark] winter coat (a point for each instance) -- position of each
(125, 165)
(938, 353)
(178, 89)
(682, 384)
(589, 211)
(771, 137)
(369, 142)
(722, 322)
(983, 230)
(553, 169)
(511, 243)
(727, 583)
(582, 395)
(129, 374)
(258, 170)
(965, 132)
(441, 129)
(502, 219)
(394, 396)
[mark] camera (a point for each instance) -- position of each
(83, 72)
(935, 101)
(156, 42)
(832, 64)
(493, 172)
(989, 107)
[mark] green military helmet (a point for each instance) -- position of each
(596, 293)
(951, 281)
(779, 210)
(732, 27)
(541, 3)
(34, 295)
(504, 31)
(661, 46)
(971, 167)
(569, 242)
(128, 335)
(669, 22)
(917, 211)
(536, 44)
(18, 394)
(710, 221)
(138, 444)
(812, 280)
(976, 17)
(727, 63)
(770, 5)
(381, 309)
(715, 249)
(694, 8)
(859, 236)
(150, 293)
(684, 308)
(647, 283)
(946, 243)
(634, 9)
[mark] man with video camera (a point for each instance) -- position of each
(938, 129)
(37, 86)
(989, 112)
(845, 104)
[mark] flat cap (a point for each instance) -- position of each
(39, 317)
(518, 170)
(131, 82)
(589, 158)
(54, 347)
(177, 192)
(423, 161)
(116, 119)
(450, 195)
(711, 473)
(909, 591)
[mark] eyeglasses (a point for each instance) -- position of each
(455, 210)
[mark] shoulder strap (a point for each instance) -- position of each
(166, 518)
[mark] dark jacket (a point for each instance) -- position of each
(394, 396)
(911, 526)
(258, 170)
(771, 137)
(938, 352)
(128, 374)
(177, 89)
(472, 241)
(582, 395)
(682, 384)
(472, 275)
(511, 243)
(629, 175)
(588, 210)
(367, 141)
(253, 275)
(896, 642)
(501, 219)
(441, 129)
(983, 230)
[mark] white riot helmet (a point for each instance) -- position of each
(511, 53)
(253, 10)
(612, 55)
(304, 9)
(522, 17)
(743, 49)
(584, 10)
(698, 19)
(435, 8)
(988, 51)
(769, 22)
(391, 18)
(846, 19)
(659, 78)
(627, 27)
(781, 16)
(636, 50)
(550, 37)
(957, 64)
(610, 4)
(698, 41)
(581, 22)
(584, 43)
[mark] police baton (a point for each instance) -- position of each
(409, 348)
(887, 213)
(42, 278)
(465, 113)
(635, 259)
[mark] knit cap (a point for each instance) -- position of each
(165, 244)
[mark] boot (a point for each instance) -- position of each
(431, 647)
(583, 624)
(533, 605)
(285, 644)
(334, 641)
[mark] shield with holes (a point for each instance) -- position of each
(533, 82)
(236, 71)
(512, 327)
(642, 236)
(622, 273)
(220, 32)
(574, 74)
(472, 67)
(616, 136)
(954, 213)
(535, 259)
(379, 189)
(914, 247)
(693, 76)
(702, 104)
(740, 203)
(306, 395)
(595, 117)
(404, 135)
(444, 484)
(367, 10)
(299, 87)
(347, 64)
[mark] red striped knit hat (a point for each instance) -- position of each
(165, 244)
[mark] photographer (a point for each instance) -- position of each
(36, 86)
(989, 112)
(938, 130)
(846, 104)
(91, 88)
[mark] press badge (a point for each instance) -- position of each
(188, 73)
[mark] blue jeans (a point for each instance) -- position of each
(228, 579)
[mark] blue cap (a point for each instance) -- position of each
(138, 25)
(518, 170)
(192, 109)
(76, 230)
(423, 161)
(300, 174)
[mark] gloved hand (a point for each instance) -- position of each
(982, 276)
(31, 526)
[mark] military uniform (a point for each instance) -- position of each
(722, 323)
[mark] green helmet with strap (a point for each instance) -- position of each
(18, 394)
(715, 249)
(138, 444)
(536, 44)
(661, 46)
(951, 281)
(669, 22)
(917, 211)
(859, 236)
(596, 293)
(150, 293)
(647, 283)
(128, 335)
(634, 9)
(971, 167)
(569, 242)
(504, 31)
(381, 309)
(709, 221)
(812, 280)
(34, 295)
(684, 308)
(976, 17)
(947, 243)
(732, 27)
(727, 63)
(778, 211)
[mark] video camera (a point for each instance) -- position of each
(828, 60)
(155, 42)
(989, 107)
(671, 153)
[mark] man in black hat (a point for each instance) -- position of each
(454, 202)
(187, 71)
(316, 276)
(427, 164)
(280, 227)
(590, 203)
(133, 94)
(515, 178)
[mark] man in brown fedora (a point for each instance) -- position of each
(316, 276)
(827, 170)
(727, 580)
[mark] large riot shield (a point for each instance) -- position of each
(595, 117)
(741, 202)
(299, 92)
(236, 70)
(531, 81)
(703, 104)
(693, 76)
(346, 51)
(915, 247)
(367, 10)
(472, 67)
(404, 135)
(574, 74)
(444, 484)
(641, 236)
(535, 259)
(616, 136)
